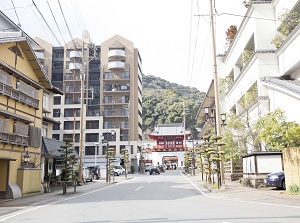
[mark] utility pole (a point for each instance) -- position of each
(216, 89)
(184, 136)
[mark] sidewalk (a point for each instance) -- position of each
(234, 190)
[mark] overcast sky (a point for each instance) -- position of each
(173, 36)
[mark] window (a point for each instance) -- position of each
(108, 75)
(92, 137)
(108, 124)
(56, 126)
(56, 112)
(90, 150)
(57, 100)
(69, 125)
(124, 124)
(69, 112)
(107, 99)
(125, 74)
(55, 136)
(70, 136)
(92, 124)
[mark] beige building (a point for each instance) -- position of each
(111, 112)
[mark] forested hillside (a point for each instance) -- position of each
(163, 103)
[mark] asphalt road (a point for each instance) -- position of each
(169, 197)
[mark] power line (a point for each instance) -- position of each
(56, 23)
(46, 23)
(19, 23)
(195, 47)
(67, 24)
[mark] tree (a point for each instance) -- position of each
(110, 158)
(289, 20)
(211, 154)
(125, 158)
(276, 132)
(68, 157)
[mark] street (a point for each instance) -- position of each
(168, 197)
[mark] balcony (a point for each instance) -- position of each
(75, 54)
(75, 66)
(14, 139)
(19, 96)
(116, 53)
(116, 65)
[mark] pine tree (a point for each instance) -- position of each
(69, 159)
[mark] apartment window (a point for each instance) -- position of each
(58, 54)
(90, 150)
(108, 75)
(69, 112)
(107, 99)
(69, 100)
(77, 149)
(55, 136)
(108, 124)
(57, 100)
(124, 124)
(92, 137)
(92, 124)
(55, 126)
(56, 112)
(70, 136)
(69, 125)
(125, 74)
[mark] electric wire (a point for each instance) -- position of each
(79, 16)
(189, 55)
(67, 24)
(195, 46)
(19, 23)
(56, 23)
(46, 23)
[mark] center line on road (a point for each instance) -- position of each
(138, 188)
(150, 181)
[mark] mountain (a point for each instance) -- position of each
(164, 102)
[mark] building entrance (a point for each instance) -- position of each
(170, 162)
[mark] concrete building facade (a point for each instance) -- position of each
(111, 112)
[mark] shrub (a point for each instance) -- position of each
(294, 189)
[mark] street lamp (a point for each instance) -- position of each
(96, 152)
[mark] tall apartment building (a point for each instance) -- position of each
(112, 105)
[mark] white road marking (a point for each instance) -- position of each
(3, 218)
(150, 181)
(138, 188)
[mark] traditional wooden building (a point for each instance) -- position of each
(170, 144)
(24, 89)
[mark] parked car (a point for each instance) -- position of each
(161, 168)
(276, 179)
(147, 168)
(87, 175)
(118, 170)
(154, 169)
(96, 172)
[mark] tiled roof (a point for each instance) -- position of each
(169, 129)
(51, 146)
(292, 86)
